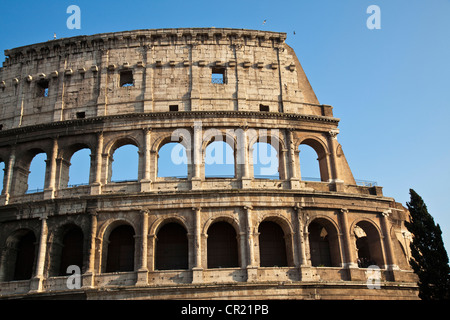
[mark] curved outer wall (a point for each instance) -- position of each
(264, 94)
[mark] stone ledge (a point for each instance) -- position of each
(195, 115)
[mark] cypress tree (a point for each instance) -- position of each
(429, 257)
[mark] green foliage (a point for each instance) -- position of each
(429, 257)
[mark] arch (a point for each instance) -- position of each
(169, 218)
(120, 247)
(268, 147)
(324, 245)
(21, 171)
(265, 160)
(272, 137)
(171, 252)
(321, 150)
(110, 224)
(272, 245)
(67, 249)
(225, 218)
(284, 223)
(172, 160)
(179, 135)
(219, 159)
(126, 166)
(214, 135)
(120, 141)
(309, 163)
(77, 169)
(222, 246)
(37, 172)
(368, 243)
(18, 260)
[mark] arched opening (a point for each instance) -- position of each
(72, 249)
(36, 176)
(272, 245)
(313, 161)
(222, 246)
(219, 160)
(368, 245)
(120, 254)
(309, 164)
(25, 255)
(265, 161)
(171, 248)
(124, 164)
(172, 161)
(323, 244)
(80, 164)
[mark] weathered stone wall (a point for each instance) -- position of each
(86, 107)
(170, 67)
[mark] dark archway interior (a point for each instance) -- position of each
(72, 250)
(25, 257)
(272, 246)
(222, 246)
(319, 245)
(121, 250)
(171, 248)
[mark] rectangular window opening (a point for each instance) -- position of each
(218, 75)
(173, 107)
(126, 79)
(263, 108)
(81, 115)
(42, 89)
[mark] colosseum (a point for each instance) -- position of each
(201, 235)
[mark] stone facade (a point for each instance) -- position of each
(139, 87)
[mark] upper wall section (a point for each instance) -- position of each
(153, 71)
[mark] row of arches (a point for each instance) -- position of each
(69, 246)
(172, 162)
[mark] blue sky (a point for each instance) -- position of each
(390, 87)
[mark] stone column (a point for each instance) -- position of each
(249, 235)
(334, 170)
(391, 262)
(151, 245)
(252, 268)
(37, 281)
(283, 164)
(197, 270)
(88, 276)
(241, 238)
(349, 259)
(142, 273)
(146, 181)
(301, 237)
(293, 155)
(97, 185)
(9, 174)
(49, 192)
(246, 180)
(197, 156)
(305, 271)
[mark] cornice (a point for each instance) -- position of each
(146, 38)
(169, 115)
